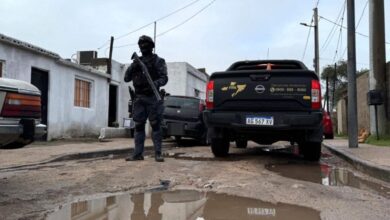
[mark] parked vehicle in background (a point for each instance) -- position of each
(20, 113)
(327, 125)
(265, 101)
(183, 118)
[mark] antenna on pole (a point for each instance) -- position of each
(268, 53)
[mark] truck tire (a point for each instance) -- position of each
(329, 136)
(18, 144)
(220, 147)
(204, 139)
(311, 151)
(241, 143)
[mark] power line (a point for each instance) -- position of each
(188, 19)
(162, 18)
(361, 16)
(318, 2)
(307, 39)
(333, 30)
(174, 27)
(357, 25)
(364, 35)
(340, 36)
(146, 25)
(103, 45)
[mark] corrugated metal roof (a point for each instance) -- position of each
(23, 45)
(27, 46)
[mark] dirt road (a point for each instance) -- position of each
(330, 187)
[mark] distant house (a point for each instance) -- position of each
(186, 80)
(77, 100)
(81, 97)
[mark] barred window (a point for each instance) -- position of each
(82, 94)
(110, 201)
(79, 208)
(1, 68)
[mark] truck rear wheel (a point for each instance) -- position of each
(241, 143)
(220, 147)
(18, 143)
(329, 136)
(310, 150)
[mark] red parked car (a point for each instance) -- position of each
(328, 125)
(20, 113)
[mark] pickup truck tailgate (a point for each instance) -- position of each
(261, 90)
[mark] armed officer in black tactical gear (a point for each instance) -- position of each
(146, 104)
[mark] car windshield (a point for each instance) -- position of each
(181, 102)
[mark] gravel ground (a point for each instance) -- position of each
(32, 192)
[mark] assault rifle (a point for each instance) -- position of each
(145, 71)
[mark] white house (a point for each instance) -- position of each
(75, 98)
(78, 100)
(186, 80)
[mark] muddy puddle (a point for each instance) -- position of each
(184, 204)
(327, 175)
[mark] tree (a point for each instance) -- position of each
(337, 80)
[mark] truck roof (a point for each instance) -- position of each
(267, 65)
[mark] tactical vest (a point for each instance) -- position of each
(140, 82)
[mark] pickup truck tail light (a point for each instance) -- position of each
(210, 95)
(315, 94)
(21, 106)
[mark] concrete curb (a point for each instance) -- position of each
(83, 155)
(369, 168)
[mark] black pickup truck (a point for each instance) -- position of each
(264, 101)
(182, 117)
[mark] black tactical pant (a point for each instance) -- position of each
(147, 107)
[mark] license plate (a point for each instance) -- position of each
(268, 121)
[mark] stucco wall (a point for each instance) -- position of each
(177, 74)
(196, 80)
(184, 79)
(64, 119)
(342, 117)
(362, 106)
(118, 73)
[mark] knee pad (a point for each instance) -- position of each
(139, 126)
(155, 124)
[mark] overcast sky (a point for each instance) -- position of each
(225, 32)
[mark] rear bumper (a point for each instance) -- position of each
(287, 125)
(40, 130)
(282, 120)
(19, 129)
(182, 128)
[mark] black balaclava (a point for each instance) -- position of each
(146, 45)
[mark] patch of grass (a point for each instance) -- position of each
(383, 140)
(344, 136)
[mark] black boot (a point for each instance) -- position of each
(158, 157)
(134, 158)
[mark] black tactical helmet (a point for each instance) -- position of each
(145, 39)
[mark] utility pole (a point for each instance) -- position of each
(109, 64)
(351, 70)
(334, 84)
(155, 29)
(377, 75)
(316, 43)
(327, 94)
